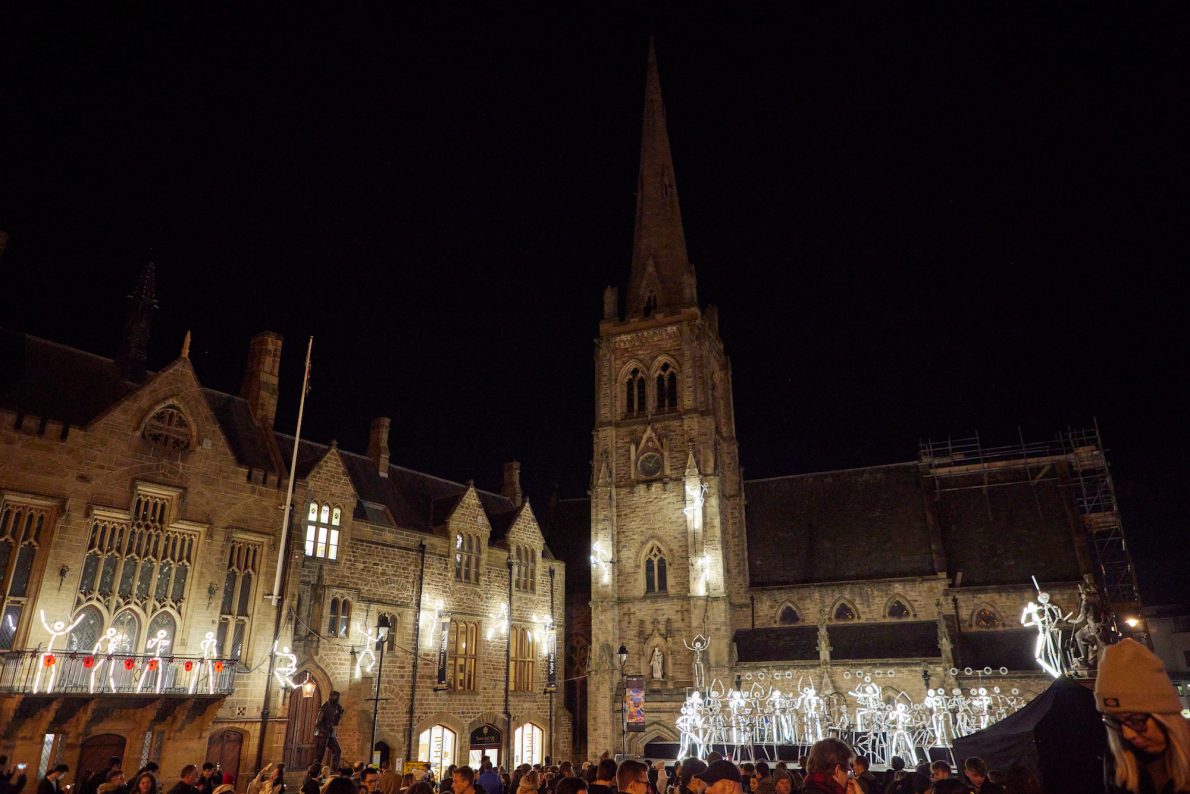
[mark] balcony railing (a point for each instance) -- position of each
(35, 672)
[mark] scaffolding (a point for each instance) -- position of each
(958, 464)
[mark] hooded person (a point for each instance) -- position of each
(1148, 737)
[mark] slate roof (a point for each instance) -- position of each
(1011, 648)
(835, 526)
(849, 641)
(248, 441)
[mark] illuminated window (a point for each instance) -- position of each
(21, 528)
(655, 571)
(987, 618)
(138, 562)
(322, 531)
(467, 557)
(667, 389)
(437, 747)
(339, 620)
(634, 393)
(897, 609)
(168, 428)
(462, 646)
(522, 651)
(844, 611)
(788, 616)
(235, 610)
(526, 745)
(526, 572)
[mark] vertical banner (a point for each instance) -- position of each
(551, 660)
(443, 641)
(634, 703)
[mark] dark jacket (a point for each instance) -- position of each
(867, 781)
(989, 787)
(311, 785)
(183, 788)
(12, 783)
(47, 786)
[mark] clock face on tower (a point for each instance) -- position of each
(650, 464)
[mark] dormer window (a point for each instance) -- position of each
(467, 557)
(526, 572)
(169, 429)
(322, 531)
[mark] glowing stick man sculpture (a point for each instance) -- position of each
(1045, 617)
(47, 660)
(286, 667)
(157, 644)
(210, 649)
(902, 743)
(699, 645)
(112, 639)
(370, 641)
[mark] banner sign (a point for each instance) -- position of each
(416, 768)
(485, 736)
(443, 640)
(634, 703)
(551, 660)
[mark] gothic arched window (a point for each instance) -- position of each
(897, 609)
(634, 393)
(339, 621)
(987, 618)
(667, 389)
(788, 616)
(844, 611)
(168, 428)
(655, 571)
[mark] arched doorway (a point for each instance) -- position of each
(436, 745)
(527, 744)
(223, 750)
(96, 751)
(299, 732)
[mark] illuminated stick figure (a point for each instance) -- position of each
(285, 669)
(210, 649)
(57, 629)
(157, 644)
(699, 645)
(370, 641)
(111, 638)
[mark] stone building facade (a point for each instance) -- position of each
(140, 525)
(913, 574)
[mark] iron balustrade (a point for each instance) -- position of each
(78, 673)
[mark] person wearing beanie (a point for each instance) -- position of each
(1148, 737)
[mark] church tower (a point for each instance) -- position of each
(666, 497)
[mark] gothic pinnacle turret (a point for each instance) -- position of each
(134, 347)
(662, 277)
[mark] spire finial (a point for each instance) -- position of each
(662, 277)
(186, 345)
(134, 347)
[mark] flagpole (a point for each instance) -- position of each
(279, 582)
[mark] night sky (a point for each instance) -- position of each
(917, 222)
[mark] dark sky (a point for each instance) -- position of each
(917, 221)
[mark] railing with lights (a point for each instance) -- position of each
(77, 673)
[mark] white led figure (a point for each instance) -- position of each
(112, 640)
(601, 561)
(698, 645)
(812, 706)
(902, 743)
(157, 644)
(57, 629)
(210, 649)
(286, 667)
(1045, 617)
(935, 703)
(367, 653)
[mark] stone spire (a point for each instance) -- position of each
(662, 277)
(134, 347)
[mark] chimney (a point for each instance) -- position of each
(378, 444)
(261, 376)
(611, 303)
(512, 482)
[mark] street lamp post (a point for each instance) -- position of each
(382, 627)
(623, 654)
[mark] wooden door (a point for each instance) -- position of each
(299, 732)
(223, 750)
(96, 750)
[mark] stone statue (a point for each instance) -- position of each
(657, 664)
(1088, 638)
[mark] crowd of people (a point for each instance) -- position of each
(1147, 736)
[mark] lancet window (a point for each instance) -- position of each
(656, 575)
(635, 400)
(22, 528)
(667, 389)
(235, 608)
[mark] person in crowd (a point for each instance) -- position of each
(369, 780)
(977, 775)
(506, 781)
(462, 780)
(632, 777)
(529, 783)
(863, 775)
(605, 778)
(256, 783)
(576, 784)
(714, 756)
(12, 779)
(390, 781)
(420, 787)
(489, 779)
(446, 786)
(144, 783)
(782, 782)
(100, 777)
(1148, 737)
(326, 724)
(950, 785)
(939, 770)
(688, 782)
(722, 777)
(747, 773)
(344, 785)
(1021, 780)
(312, 784)
(896, 765)
(763, 782)
(187, 779)
(51, 783)
(406, 782)
(208, 778)
(116, 783)
(225, 788)
(828, 769)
